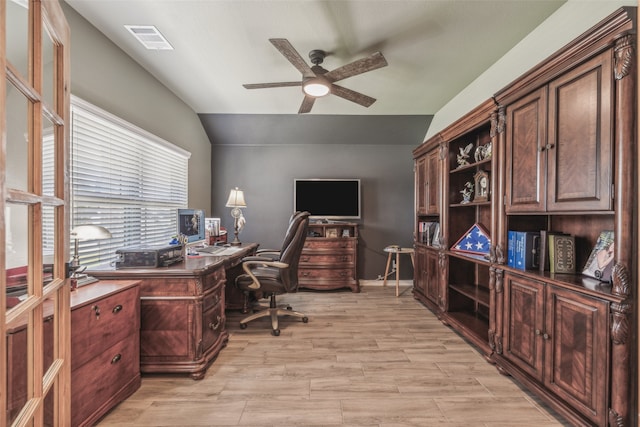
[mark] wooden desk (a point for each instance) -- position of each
(183, 310)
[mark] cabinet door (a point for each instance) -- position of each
(431, 277)
(579, 144)
(421, 185)
(577, 343)
(523, 343)
(433, 183)
(526, 126)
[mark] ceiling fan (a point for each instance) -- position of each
(317, 81)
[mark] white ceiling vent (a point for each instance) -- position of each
(149, 36)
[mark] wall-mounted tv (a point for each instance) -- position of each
(191, 224)
(327, 198)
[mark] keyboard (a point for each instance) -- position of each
(210, 249)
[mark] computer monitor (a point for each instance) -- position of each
(192, 225)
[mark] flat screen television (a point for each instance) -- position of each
(337, 199)
(191, 224)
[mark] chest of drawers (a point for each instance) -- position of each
(329, 258)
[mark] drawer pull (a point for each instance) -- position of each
(96, 309)
(305, 274)
(538, 332)
(215, 326)
(117, 309)
(545, 336)
(116, 358)
(305, 259)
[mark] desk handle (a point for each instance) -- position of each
(117, 309)
(96, 309)
(116, 358)
(215, 326)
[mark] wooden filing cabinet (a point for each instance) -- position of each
(105, 351)
(329, 257)
(105, 348)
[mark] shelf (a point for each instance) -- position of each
(471, 167)
(472, 204)
(469, 257)
(476, 293)
(470, 322)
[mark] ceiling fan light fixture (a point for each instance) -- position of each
(316, 88)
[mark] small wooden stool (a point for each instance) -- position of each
(393, 249)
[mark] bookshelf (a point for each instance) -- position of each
(563, 159)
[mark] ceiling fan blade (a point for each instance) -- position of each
(293, 56)
(359, 66)
(306, 105)
(268, 85)
(352, 95)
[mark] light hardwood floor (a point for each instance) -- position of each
(367, 359)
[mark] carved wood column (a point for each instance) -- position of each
(623, 280)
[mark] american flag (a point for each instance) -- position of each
(474, 241)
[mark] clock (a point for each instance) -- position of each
(482, 185)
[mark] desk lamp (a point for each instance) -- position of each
(236, 201)
(85, 232)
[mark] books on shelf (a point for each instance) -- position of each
(429, 232)
(475, 241)
(600, 261)
(523, 249)
(562, 253)
(544, 248)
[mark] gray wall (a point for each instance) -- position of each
(262, 154)
(105, 76)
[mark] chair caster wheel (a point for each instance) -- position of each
(243, 326)
(305, 320)
(275, 332)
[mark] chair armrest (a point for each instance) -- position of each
(246, 266)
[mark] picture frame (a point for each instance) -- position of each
(346, 232)
(212, 226)
(331, 232)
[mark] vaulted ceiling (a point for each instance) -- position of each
(434, 48)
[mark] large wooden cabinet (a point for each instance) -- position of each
(559, 142)
(564, 159)
(428, 189)
(183, 322)
(329, 258)
(560, 338)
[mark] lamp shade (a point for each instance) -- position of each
(236, 199)
(90, 232)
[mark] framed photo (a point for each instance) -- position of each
(212, 226)
(346, 232)
(331, 232)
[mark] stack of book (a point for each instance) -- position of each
(543, 250)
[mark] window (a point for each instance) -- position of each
(125, 179)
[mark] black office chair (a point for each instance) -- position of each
(267, 278)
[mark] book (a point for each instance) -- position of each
(526, 250)
(543, 251)
(475, 241)
(511, 248)
(562, 254)
(600, 261)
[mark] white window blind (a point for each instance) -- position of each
(125, 179)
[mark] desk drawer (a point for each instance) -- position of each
(213, 324)
(103, 376)
(330, 244)
(325, 273)
(99, 325)
(326, 258)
